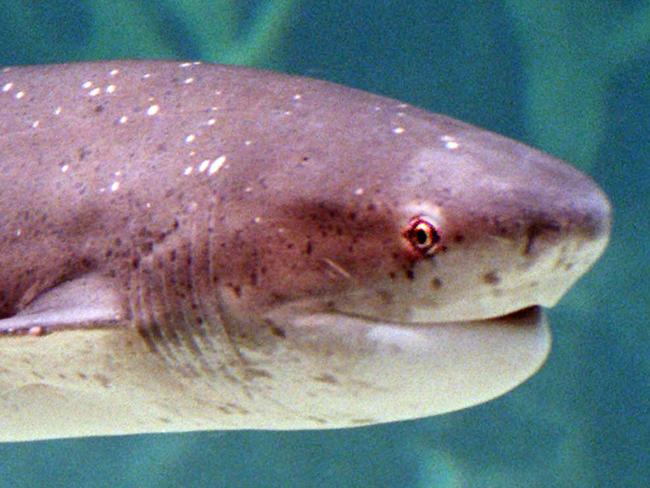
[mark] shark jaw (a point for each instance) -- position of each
(373, 371)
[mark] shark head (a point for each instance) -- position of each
(420, 267)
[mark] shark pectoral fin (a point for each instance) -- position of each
(90, 301)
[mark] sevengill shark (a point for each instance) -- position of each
(188, 247)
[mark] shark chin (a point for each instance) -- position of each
(384, 372)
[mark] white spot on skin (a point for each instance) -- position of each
(148, 204)
(358, 191)
(146, 75)
(214, 109)
(123, 119)
(248, 189)
(20, 95)
(450, 142)
(153, 110)
(190, 138)
(187, 81)
(115, 186)
(188, 171)
(65, 168)
(204, 165)
(57, 110)
(19, 232)
(212, 121)
(297, 96)
(111, 89)
(248, 143)
(86, 84)
(36, 123)
(7, 86)
(192, 153)
(217, 164)
(6, 70)
(257, 220)
(114, 72)
(185, 65)
(451, 145)
(94, 92)
(398, 130)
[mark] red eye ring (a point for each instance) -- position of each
(423, 235)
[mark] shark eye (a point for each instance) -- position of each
(423, 235)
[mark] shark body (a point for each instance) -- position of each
(192, 247)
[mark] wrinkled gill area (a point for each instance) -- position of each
(175, 306)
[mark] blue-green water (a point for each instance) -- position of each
(572, 78)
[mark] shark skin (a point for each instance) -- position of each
(189, 246)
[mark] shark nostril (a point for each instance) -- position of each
(549, 231)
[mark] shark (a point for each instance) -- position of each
(189, 246)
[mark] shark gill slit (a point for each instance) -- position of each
(189, 323)
(175, 298)
(215, 317)
(152, 316)
(165, 313)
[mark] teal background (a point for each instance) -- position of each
(572, 78)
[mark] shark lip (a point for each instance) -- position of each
(523, 316)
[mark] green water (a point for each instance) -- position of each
(572, 78)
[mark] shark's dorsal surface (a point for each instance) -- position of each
(188, 246)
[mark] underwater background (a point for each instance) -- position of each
(572, 78)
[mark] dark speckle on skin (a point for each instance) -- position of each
(278, 332)
(491, 278)
(363, 421)
(258, 373)
(82, 153)
(237, 408)
(318, 420)
(326, 378)
(102, 380)
(436, 283)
